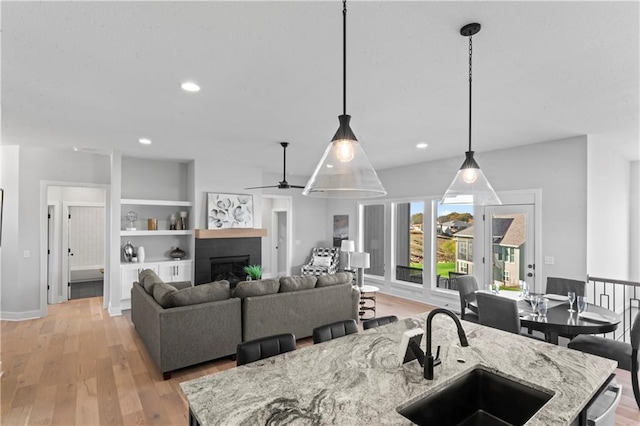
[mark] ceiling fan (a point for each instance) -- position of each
(283, 184)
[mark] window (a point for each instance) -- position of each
(505, 276)
(373, 237)
(409, 241)
(454, 225)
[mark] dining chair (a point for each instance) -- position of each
(265, 347)
(625, 353)
(562, 286)
(333, 330)
(377, 322)
(467, 287)
(501, 313)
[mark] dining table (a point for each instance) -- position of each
(559, 321)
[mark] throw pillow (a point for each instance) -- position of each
(218, 290)
(297, 283)
(335, 279)
(163, 293)
(322, 261)
(148, 279)
(256, 288)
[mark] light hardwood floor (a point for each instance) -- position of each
(81, 366)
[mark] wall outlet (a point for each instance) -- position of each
(549, 260)
(27, 254)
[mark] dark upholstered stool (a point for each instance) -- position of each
(626, 354)
(376, 322)
(265, 347)
(336, 329)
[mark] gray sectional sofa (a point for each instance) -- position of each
(182, 325)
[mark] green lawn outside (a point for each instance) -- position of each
(444, 268)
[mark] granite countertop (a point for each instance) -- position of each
(358, 380)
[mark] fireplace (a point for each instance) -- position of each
(225, 258)
(230, 268)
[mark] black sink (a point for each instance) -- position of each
(478, 398)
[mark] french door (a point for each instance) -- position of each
(509, 239)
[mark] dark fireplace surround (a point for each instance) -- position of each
(225, 258)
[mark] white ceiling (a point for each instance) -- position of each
(100, 75)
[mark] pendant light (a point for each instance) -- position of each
(470, 186)
(344, 171)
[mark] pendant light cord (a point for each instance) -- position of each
(344, 56)
(470, 54)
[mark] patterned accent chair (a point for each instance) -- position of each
(324, 261)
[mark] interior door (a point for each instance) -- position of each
(50, 263)
(510, 245)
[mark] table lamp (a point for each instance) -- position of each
(361, 261)
(348, 246)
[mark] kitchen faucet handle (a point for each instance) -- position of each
(437, 360)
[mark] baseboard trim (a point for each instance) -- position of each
(21, 316)
(115, 312)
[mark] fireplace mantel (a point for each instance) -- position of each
(231, 233)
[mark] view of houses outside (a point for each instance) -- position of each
(455, 241)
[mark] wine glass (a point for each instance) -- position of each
(582, 304)
(572, 298)
(533, 299)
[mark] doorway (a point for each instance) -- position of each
(75, 242)
(277, 217)
(510, 246)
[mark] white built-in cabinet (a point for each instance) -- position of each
(169, 271)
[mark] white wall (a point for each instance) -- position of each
(24, 168)
(608, 212)
(634, 222)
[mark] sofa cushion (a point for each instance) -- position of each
(339, 278)
(210, 292)
(256, 288)
(163, 294)
(148, 279)
(297, 283)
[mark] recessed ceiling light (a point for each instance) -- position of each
(329, 166)
(144, 141)
(76, 149)
(422, 145)
(190, 86)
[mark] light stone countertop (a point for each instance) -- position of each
(357, 379)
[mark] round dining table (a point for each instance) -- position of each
(560, 322)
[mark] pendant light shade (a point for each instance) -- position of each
(470, 186)
(344, 171)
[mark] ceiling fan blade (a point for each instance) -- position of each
(296, 186)
(260, 187)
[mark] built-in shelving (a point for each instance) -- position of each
(147, 233)
(142, 202)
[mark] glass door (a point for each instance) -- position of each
(509, 246)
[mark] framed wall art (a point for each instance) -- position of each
(340, 229)
(229, 211)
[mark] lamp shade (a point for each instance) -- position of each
(344, 171)
(360, 260)
(348, 246)
(470, 186)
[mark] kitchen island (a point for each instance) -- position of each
(358, 379)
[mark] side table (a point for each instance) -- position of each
(368, 300)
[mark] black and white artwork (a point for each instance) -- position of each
(229, 211)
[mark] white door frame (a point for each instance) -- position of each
(273, 230)
(533, 197)
(44, 210)
(275, 257)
